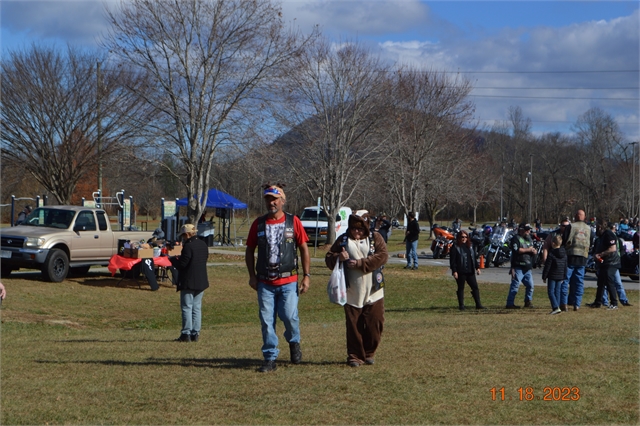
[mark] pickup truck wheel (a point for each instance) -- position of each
(79, 271)
(56, 267)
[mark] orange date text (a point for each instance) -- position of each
(548, 393)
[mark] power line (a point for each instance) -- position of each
(541, 72)
(550, 121)
(556, 88)
(555, 97)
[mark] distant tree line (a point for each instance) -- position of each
(184, 96)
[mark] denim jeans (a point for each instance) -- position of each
(412, 253)
(574, 284)
(280, 301)
(622, 295)
(553, 290)
(527, 280)
(191, 305)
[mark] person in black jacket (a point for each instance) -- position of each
(463, 261)
(411, 236)
(192, 281)
(555, 269)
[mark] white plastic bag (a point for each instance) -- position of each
(337, 286)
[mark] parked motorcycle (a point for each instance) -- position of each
(498, 251)
(442, 243)
(538, 244)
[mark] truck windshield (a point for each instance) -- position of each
(309, 214)
(50, 218)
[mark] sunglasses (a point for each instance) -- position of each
(361, 229)
(463, 237)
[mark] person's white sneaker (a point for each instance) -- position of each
(555, 311)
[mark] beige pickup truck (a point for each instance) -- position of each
(59, 240)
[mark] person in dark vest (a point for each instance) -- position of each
(278, 236)
(192, 281)
(463, 261)
(522, 252)
(608, 260)
(577, 239)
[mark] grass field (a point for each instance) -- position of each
(92, 351)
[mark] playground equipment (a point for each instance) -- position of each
(125, 212)
(38, 201)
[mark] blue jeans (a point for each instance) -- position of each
(553, 290)
(191, 305)
(527, 280)
(622, 295)
(575, 286)
(280, 301)
(412, 253)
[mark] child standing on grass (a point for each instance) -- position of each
(555, 269)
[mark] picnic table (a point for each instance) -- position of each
(148, 267)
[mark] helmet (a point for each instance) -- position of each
(488, 230)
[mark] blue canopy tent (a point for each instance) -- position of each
(221, 200)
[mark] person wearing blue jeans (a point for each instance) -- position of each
(522, 252)
(278, 236)
(192, 281)
(555, 269)
(191, 305)
(622, 295)
(573, 286)
(280, 301)
(411, 241)
(577, 239)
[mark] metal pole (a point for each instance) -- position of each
(501, 190)
(633, 182)
(530, 185)
(99, 95)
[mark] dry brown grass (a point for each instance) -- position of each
(91, 351)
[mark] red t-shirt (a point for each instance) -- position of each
(298, 232)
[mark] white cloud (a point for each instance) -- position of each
(588, 46)
(357, 17)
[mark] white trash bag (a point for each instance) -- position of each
(337, 286)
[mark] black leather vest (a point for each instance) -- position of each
(288, 255)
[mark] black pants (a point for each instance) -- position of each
(475, 291)
(607, 278)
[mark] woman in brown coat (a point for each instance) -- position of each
(362, 254)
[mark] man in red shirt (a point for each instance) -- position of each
(274, 276)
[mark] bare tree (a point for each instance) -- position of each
(56, 114)
(333, 106)
(429, 109)
(602, 141)
(208, 61)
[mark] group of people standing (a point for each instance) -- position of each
(565, 253)
(362, 251)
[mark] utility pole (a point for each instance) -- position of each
(99, 136)
(530, 185)
(633, 182)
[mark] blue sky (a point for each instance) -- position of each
(553, 59)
